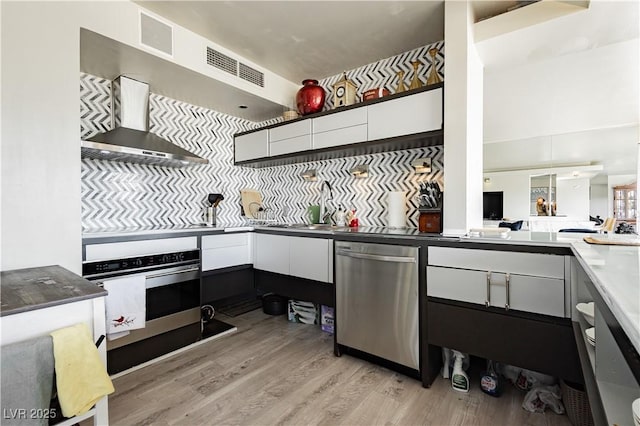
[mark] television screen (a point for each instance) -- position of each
(492, 205)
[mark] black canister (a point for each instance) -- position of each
(273, 304)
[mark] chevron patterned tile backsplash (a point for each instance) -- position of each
(120, 195)
(384, 72)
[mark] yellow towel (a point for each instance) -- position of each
(81, 377)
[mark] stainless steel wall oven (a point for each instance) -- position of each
(172, 289)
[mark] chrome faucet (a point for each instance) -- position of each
(325, 215)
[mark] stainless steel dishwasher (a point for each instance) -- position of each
(377, 300)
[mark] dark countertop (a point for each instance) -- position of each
(23, 290)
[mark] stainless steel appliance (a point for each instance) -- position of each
(377, 301)
(130, 139)
(172, 304)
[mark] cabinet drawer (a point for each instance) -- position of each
(339, 137)
(217, 258)
(289, 131)
(536, 264)
(352, 117)
(417, 113)
(221, 241)
(286, 146)
(222, 251)
(139, 248)
(526, 293)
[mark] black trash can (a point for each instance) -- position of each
(273, 304)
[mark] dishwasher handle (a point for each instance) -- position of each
(381, 258)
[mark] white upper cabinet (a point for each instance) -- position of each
(407, 115)
(348, 131)
(290, 138)
(340, 129)
(252, 145)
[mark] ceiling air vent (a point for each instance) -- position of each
(251, 75)
(156, 34)
(222, 61)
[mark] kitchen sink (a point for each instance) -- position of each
(307, 226)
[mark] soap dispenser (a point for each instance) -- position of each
(341, 216)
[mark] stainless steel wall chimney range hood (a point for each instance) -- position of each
(130, 139)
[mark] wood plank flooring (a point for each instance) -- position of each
(274, 372)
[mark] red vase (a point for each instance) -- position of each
(310, 97)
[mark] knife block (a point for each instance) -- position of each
(430, 221)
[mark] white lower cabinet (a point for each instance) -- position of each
(222, 251)
(272, 253)
(302, 257)
(523, 293)
(309, 258)
(503, 282)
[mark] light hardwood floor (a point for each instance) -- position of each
(275, 372)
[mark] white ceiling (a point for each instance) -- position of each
(603, 22)
(317, 39)
(309, 39)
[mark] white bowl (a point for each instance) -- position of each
(591, 335)
(635, 408)
(587, 311)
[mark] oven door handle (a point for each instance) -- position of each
(182, 271)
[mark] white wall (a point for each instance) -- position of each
(593, 89)
(462, 123)
(572, 196)
(515, 188)
(599, 201)
(40, 157)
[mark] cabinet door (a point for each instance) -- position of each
(294, 137)
(222, 251)
(288, 131)
(411, 114)
(340, 120)
(534, 264)
(287, 146)
(252, 145)
(526, 293)
(341, 128)
(309, 258)
(272, 253)
(345, 136)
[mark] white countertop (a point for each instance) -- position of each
(615, 272)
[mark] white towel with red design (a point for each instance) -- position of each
(125, 305)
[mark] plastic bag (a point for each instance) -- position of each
(541, 397)
(528, 379)
(510, 372)
(524, 379)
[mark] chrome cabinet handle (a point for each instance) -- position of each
(487, 302)
(400, 259)
(507, 280)
(181, 271)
